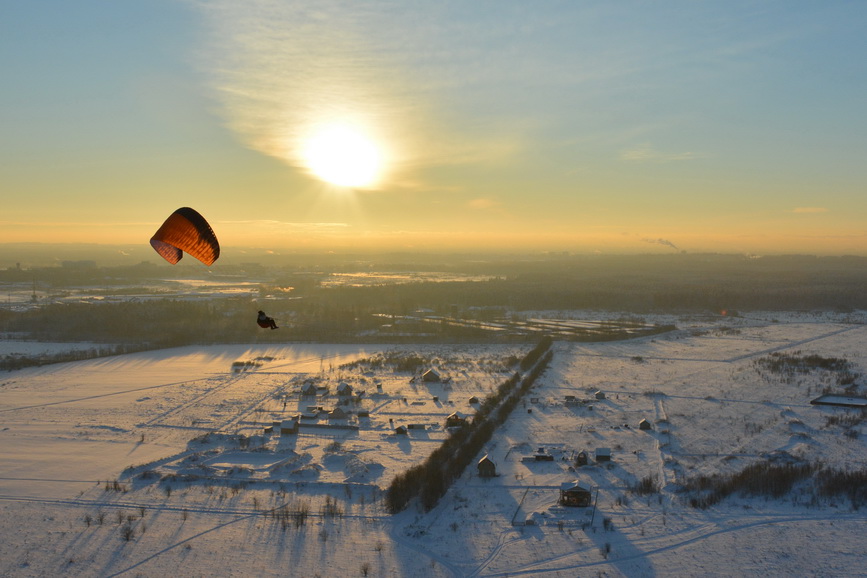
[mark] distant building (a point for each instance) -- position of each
(400, 430)
(603, 454)
(581, 459)
(487, 468)
(474, 399)
(308, 389)
(644, 424)
(575, 494)
(600, 395)
(344, 388)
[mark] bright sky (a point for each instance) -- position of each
(583, 126)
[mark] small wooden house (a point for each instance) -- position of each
(400, 430)
(487, 468)
(344, 389)
(289, 426)
(431, 376)
(581, 459)
(644, 424)
(456, 419)
(308, 389)
(337, 413)
(603, 454)
(474, 399)
(600, 395)
(575, 494)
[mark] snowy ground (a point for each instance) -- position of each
(158, 462)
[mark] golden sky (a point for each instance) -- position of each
(556, 126)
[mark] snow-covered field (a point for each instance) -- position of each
(158, 463)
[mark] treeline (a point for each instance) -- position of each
(11, 362)
(429, 480)
(154, 323)
(765, 479)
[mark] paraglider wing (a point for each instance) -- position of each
(186, 231)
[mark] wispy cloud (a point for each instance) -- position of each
(483, 204)
(281, 70)
(809, 210)
(646, 153)
(287, 225)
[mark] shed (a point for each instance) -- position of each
(575, 494)
(344, 388)
(487, 468)
(474, 399)
(600, 394)
(431, 376)
(400, 430)
(581, 458)
(603, 454)
(308, 389)
(644, 424)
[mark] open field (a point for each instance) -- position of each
(158, 462)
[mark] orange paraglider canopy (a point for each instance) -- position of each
(186, 231)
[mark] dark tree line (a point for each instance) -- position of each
(430, 480)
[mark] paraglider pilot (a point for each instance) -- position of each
(265, 322)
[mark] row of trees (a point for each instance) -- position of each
(429, 480)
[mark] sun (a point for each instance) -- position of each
(343, 156)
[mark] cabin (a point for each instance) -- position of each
(474, 400)
(344, 389)
(581, 459)
(431, 376)
(456, 419)
(603, 454)
(400, 430)
(308, 390)
(575, 494)
(644, 425)
(418, 426)
(487, 468)
(599, 395)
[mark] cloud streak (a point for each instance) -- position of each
(807, 210)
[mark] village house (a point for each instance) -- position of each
(337, 413)
(431, 376)
(487, 468)
(289, 426)
(344, 389)
(456, 419)
(575, 494)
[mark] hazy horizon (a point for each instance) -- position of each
(392, 126)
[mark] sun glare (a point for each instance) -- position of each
(343, 156)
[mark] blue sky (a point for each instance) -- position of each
(579, 126)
